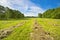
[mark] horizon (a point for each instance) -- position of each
(30, 7)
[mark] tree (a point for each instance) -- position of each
(52, 13)
(40, 15)
(2, 12)
(7, 13)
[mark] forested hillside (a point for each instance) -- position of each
(51, 13)
(7, 13)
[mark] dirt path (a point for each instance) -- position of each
(38, 33)
(5, 32)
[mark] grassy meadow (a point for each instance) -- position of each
(23, 32)
(52, 26)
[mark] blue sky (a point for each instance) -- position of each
(46, 4)
(30, 7)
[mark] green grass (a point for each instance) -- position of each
(52, 26)
(8, 23)
(23, 32)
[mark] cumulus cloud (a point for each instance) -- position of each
(25, 6)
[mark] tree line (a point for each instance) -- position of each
(7, 13)
(51, 13)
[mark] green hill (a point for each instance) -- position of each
(51, 13)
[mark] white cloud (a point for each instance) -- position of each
(5, 3)
(25, 6)
(33, 10)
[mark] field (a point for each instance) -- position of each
(26, 29)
